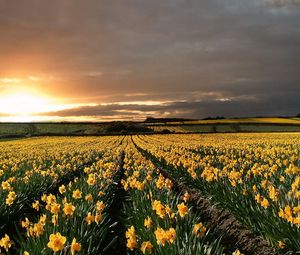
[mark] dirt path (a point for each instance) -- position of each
(116, 243)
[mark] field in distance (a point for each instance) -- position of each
(222, 125)
(219, 125)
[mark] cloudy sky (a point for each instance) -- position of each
(127, 59)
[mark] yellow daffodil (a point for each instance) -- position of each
(56, 242)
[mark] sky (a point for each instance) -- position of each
(101, 60)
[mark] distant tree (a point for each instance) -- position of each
(126, 127)
(164, 120)
(214, 118)
(150, 119)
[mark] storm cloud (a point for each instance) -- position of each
(206, 58)
(243, 106)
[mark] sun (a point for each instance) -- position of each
(23, 105)
(33, 107)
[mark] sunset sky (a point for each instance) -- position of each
(100, 60)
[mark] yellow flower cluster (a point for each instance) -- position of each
(165, 236)
(292, 215)
(182, 209)
(10, 198)
(34, 229)
(148, 222)
(5, 242)
(162, 210)
(164, 183)
(131, 238)
(57, 243)
(147, 247)
(199, 230)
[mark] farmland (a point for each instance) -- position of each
(204, 194)
(229, 125)
(18, 130)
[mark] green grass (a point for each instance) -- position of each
(49, 128)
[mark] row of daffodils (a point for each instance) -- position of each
(30, 167)
(73, 218)
(159, 220)
(256, 176)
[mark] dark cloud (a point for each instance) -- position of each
(158, 50)
(213, 105)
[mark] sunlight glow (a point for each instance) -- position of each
(23, 104)
(30, 107)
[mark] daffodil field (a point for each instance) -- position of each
(136, 194)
